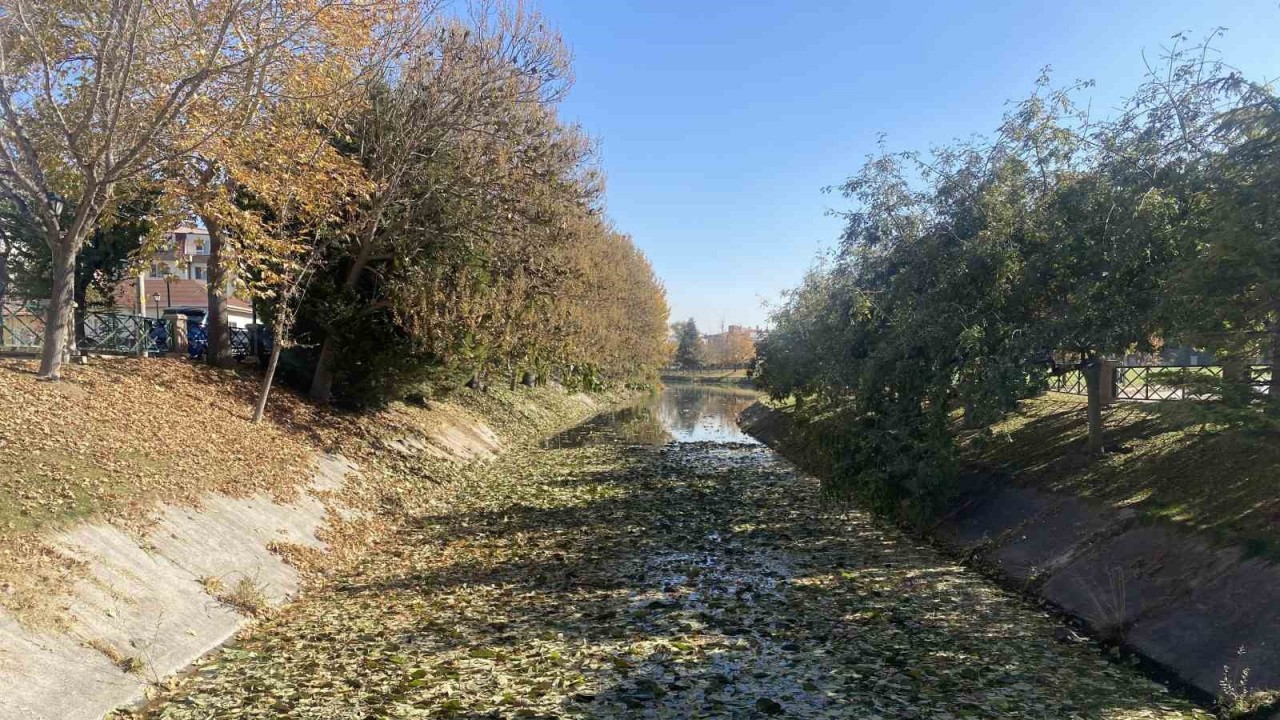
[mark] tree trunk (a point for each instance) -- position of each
(4, 283)
(267, 380)
(1093, 382)
(322, 381)
(1274, 391)
(217, 327)
(58, 317)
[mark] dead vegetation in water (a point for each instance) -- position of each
(693, 581)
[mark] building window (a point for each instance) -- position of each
(159, 270)
(198, 271)
(202, 245)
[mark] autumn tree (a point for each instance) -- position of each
(483, 248)
(731, 348)
(320, 68)
(597, 339)
(450, 141)
(95, 94)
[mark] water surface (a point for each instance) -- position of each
(683, 413)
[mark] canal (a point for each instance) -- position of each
(656, 562)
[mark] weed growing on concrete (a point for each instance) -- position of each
(246, 596)
(1236, 700)
(212, 584)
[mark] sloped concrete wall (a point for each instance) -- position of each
(1202, 610)
(147, 606)
(147, 598)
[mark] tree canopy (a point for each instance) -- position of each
(967, 274)
(388, 181)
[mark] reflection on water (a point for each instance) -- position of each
(638, 424)
(698, 413)
(680, 413)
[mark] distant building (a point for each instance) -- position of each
(743, 330)
(732, 348)
(750, 333)
(177, 274)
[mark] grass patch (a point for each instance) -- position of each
(52, 486)
(720, 377)
(1169, 460)
(244, 595)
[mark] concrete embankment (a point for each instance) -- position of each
(148, 602)
(1205, 611)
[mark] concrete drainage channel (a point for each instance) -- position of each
(1206, 614)
(149, 606)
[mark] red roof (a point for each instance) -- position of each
(175, 293)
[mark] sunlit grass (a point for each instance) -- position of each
(1169, 460)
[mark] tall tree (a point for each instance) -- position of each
(465, 98)
(1228, 288)
(322, 68)
(689, 350)
(93, 94)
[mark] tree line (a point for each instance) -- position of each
(967, 275)
(388, 181)
(691, 350)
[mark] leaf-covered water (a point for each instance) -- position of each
(659, 579)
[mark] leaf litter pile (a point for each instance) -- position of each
(681, 581)
(119, 439)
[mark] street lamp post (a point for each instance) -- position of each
(155, 298)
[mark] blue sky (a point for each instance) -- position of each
(721, 122)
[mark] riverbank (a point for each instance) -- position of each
(737, 378)
(151, 520)
(1188, 464)
(1205, 610)
(621, 573)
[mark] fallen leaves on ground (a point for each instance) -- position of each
(682, 581)
(118, 438)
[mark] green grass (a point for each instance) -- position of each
(725, 377)
(1180, 461)
(51, 487)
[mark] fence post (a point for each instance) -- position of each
(178, 338)
(1108, 377)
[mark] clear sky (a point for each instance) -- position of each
(720, 122)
